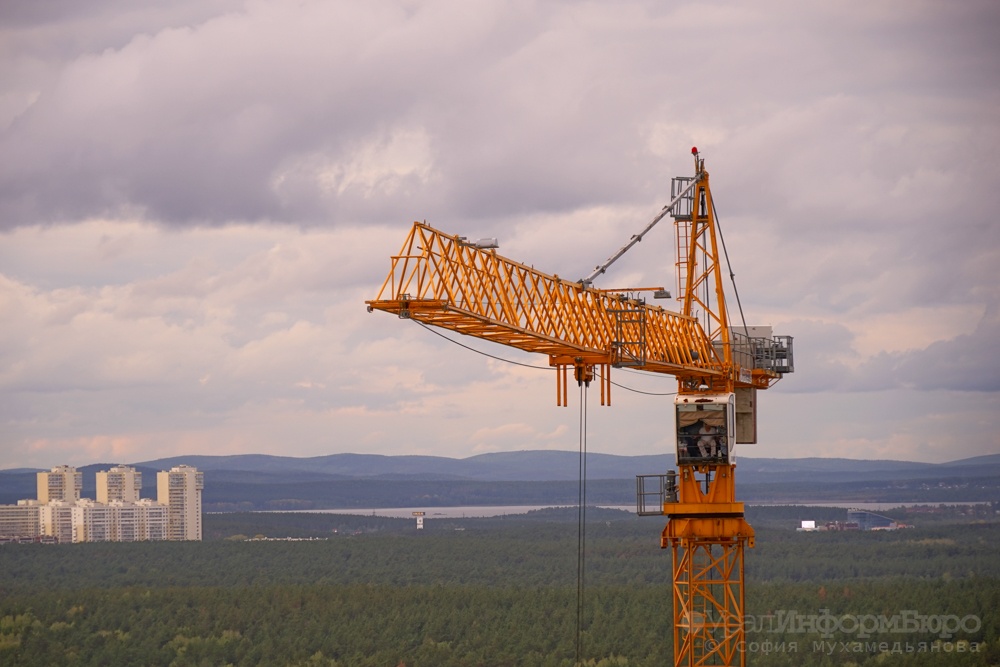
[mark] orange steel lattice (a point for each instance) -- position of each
(703, 274)
(706, 531)
(440, 279)
(708, 598)
(445, 281)
(707, 534)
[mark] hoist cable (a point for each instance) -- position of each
(581, 528)
(485, 354)
(538, 368)
(636, 391)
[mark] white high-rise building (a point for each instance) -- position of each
(118, 521)
(119, 483)
(20, 521)
(118, 514)
(61, 483)
(151, 520)
(180, 490)
(125, 521)
(91, 521)
(56, 519)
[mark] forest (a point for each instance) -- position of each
(302, 589)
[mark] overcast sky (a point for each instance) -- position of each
(197, 197)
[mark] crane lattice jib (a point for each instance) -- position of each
(442, 280)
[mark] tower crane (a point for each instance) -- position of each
(465, 286)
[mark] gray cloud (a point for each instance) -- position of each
(197, 197)
(289, 114)
(966, 363)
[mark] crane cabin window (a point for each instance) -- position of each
(704, 430)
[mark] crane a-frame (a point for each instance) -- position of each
(465, 286)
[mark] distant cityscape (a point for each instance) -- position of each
(118, 514)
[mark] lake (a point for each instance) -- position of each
(471, 512)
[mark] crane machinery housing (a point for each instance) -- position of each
(465, 286)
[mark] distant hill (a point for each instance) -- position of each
(987, 460)
(546, 465)
(521, 466)
(255, 481)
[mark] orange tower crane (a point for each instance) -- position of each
(465, 286)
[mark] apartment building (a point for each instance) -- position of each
(150, 520)
(91, 521)
(61, 483)
(55, 520)
(118, 515)
(180, 490)
(119, 521)
(122, 483)
(19, 521)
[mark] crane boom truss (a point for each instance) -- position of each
(442, 280)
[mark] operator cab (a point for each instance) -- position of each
(705, 428)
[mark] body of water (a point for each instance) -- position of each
(472, 512)
(469, 512)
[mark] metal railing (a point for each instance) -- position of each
(652, 492)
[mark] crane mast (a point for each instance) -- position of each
(706, 530)
(465, 286)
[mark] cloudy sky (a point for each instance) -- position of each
(197, 197)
